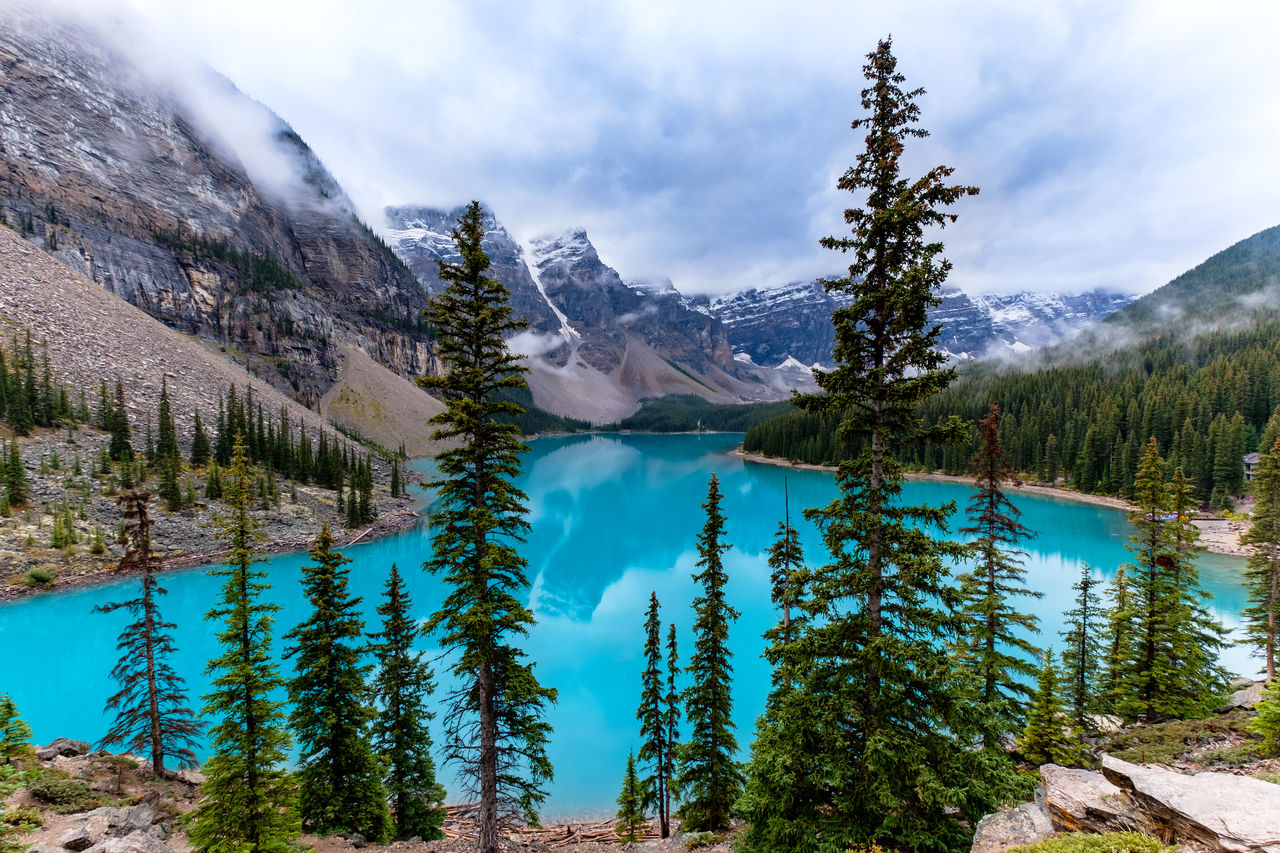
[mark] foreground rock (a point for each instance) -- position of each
(1206, 811)
(1218, 810)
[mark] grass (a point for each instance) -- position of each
(1107, 842)
(1164, 743)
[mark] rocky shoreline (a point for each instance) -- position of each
(1217, 535)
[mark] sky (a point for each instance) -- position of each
(1116, 144)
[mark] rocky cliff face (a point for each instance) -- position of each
(241, 237)
(772, 325)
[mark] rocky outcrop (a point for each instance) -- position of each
(1024, 824)
(1220, 811)
(231, 230)
(65, 747)
(1206, 811)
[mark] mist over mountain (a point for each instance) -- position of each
(195, 203)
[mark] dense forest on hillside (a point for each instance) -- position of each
(1207, 401)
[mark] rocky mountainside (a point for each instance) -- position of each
(596, 345)
(772, 325)
(178, 193)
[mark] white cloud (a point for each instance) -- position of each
(1116, 144)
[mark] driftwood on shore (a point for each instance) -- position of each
(460, 823)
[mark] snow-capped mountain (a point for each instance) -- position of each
(596, 345)
(793, 321)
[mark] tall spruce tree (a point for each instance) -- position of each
(888, 718)
(1263, 574)
(1168, 655)
(1045, 740)
(1082, 649)
(339, 779)
(200, 450)
(119, 448)
(248, 801)
(152, 712)
(994, 646)
(167, 430)
(708, 778)
(786, 562)
(401, 687)
(671, 714)
(495, 727)
(655, 749)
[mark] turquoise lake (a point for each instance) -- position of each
(613, 517)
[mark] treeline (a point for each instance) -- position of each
(689, 412)
(259, 273)
(1207, 401)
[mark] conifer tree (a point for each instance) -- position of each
(396, 488)
(200, 449)
(15, 734)
(671, 716)
(654, 748)
(1267, 722)
(1263, 574)
(494, 725)
(994, 646)
(400, 688)
(1167, 657)
(339, 779)
(885, 719)
(167, 430)
(248, 802)
(1045, 739)
(16, 489)
(631, 819)
(152, 713)
(786, 559)
(708, 778)
(119, 449)
(1082, 651)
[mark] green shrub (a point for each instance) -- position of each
(1164, 743)
(1267, 723)
(24, 818)
(39, 576)
(64, 794)
(1107, 842)
(694, 840)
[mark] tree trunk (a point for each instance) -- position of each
(153, 696)
(488, 761)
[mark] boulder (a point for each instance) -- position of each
(122, 821)
(1078, 800)
(77, 838)
(1104, 724)
(66, 747)
(1220, 811)
(135, 842)
(1024, 824)
(1246, 697)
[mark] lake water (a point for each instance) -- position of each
(613, 518)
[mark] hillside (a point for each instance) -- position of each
(94, 337)
(170, 188)
(1202, 377)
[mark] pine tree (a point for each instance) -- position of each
(1167, 659)
(631, 819)
(15, 734)
(339, 779)
(494, 725)
(248, 802)
(167, 430)
(786, 560)
(119, 449)
(654, 748)
(16, 489)
(1267, 722)
(671, 716)
(708, 778)
(1045, 739)
(152, 713)
(1263, 574)
(1083, 650)
(994, 646)
(400, 688)
(396, 488)
(886, 720)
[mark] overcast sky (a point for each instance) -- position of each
(1116, 144)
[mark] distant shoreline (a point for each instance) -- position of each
(398, 520)
(1217, 536)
